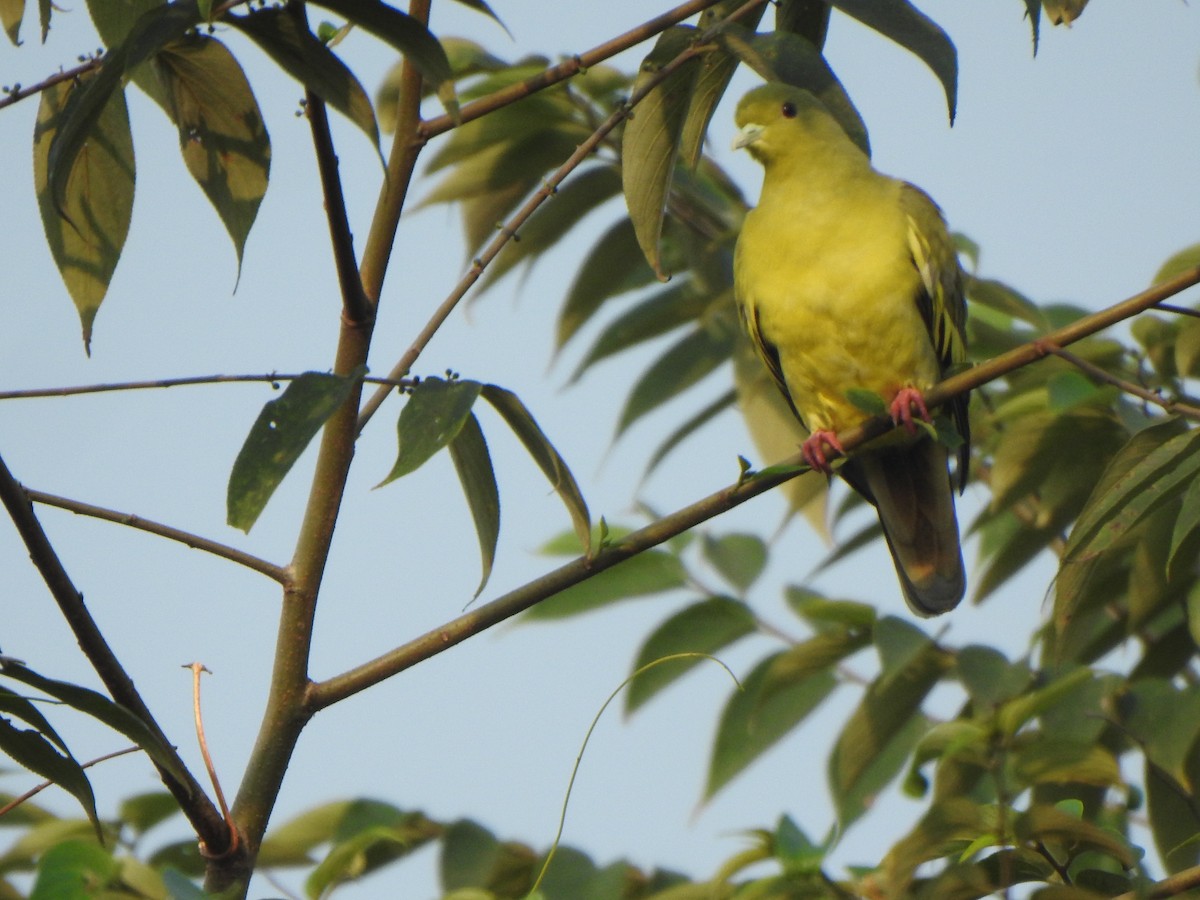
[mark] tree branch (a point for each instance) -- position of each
(566, 69)
(204, 817)
(19, 93)
(1172, 406)
(513, 225)
(195, 541)
(355, 305)
(325, 693)
(1168, 887)
(75, 390)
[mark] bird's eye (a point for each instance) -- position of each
(789, 110)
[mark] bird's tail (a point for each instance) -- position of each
(910, 487)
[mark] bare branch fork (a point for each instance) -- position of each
(457, 630)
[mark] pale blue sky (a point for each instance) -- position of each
(1077, 172)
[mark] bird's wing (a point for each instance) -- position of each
(941, 302)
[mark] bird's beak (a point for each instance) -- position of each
(747, 135)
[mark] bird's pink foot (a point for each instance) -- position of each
(815, 450)
(906, 400)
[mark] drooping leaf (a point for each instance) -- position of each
(408, 36)
(86, 223)
(85, 106)
(11, 13)
(1063, 12)
(431, 419)
(704, 627)
(644, 575)
(1050, 825)
(548, 459)
(1187, 527)
(99, 707)
(74, 870)
(903, 23)
(803, 17)
(362, 846)
(819, 653)
(1145, 483)
(790, 58)
(683, 364)
(471, 459)
(688, 427)
(651, 141)
(614, 266)
(221, 132)
(279, 435)
(580, 195)
(482, 6)
(750, 725)
(660, 313)
(740, 558)
(876, 739)
(29, 749)
(281, 35)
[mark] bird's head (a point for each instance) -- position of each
(775, 120)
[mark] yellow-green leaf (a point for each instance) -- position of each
(221, 132)
(11, 13)
(473, 463)
(650, 146)
(86, 225)
(434, 414)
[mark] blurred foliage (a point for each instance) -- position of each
(1047, 760)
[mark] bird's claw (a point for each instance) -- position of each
(815, 450)
(905, 401)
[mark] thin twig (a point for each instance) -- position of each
(566, 69)
(197, 670)
(1171, 406)
(33, 792)
(195, 541)
(1173, 886)
(21, 93)
(457, 630)
(509, 230)
(270, 378)
(196, 806)
(355, 305)
(1178, 310)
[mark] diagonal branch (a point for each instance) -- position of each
(1172, 406)
(547, 190)
(431, 643)
(195, 541)
(566, 69)
(204, 817)
(272, 378)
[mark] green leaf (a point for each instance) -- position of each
(1142, 487)
(279, 435)
(645, 574)
(548, 459)
(408, 36)
(114, 21)
(434, 414)
(74, 870)
(221, 132)
(651, 141)
(661, 312)
(1178, 263)
(867, 401)
(751, 724)
(149, 34)
(826, 615)
(469, 452)
(740, 558)
(704, 627)
(283, 36)
(481, 6)
(820, 653)
(684, 363)
(1187, 526)
(1000, 297)
(11, 13)
(180, 887)
(31, 750)
(1014, 714)
(1053, 826)
(141, 812)
(1045, 760)
(692, 424)
(367, 849)
(112, 714)
(613, 266)
(468, 857)
(580, 195)
(86, 215)
(903, 23)
(876, 739)
(988, 677)
(788, 57)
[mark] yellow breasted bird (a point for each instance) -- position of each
(848, 279)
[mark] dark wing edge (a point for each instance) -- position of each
(942, 301)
